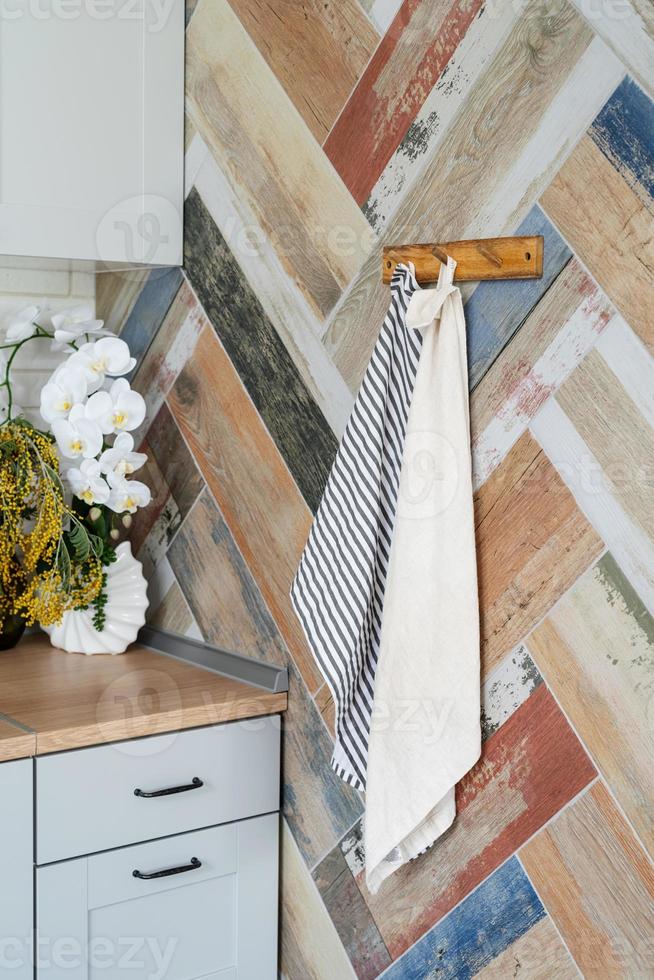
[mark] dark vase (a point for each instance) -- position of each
(11, 632)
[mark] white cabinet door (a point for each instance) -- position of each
(91, 129)
(198, 905)
(16, 869)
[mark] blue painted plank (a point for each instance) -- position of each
(496, 310)
(489, 920)
(624, 132)
(147, 315)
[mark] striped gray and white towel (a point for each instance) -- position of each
(338, 591)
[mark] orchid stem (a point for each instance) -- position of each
(39, 334)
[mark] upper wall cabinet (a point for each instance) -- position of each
(91, 130)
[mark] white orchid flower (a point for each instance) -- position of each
(70, 325)
(126, 495)
(22, 326)
(87, 482)
(77, 435)
(117, 410)
(66, 389)
(108, 356)
(120, 459)
(78, 361)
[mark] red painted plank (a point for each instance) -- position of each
(530, 768)
(402, 72)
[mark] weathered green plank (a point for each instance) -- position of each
(295, 422)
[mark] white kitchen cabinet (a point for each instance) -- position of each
(179, 841)
(130, 848)
(202, 904)
(91, 131)
(109, 795)
(16, 871)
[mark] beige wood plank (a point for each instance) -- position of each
(249, 480)
(573, 290)
(262, 144)
(616, 433)
(172, 613)
(310, 946)
(596, 652)
(455, 189)
(628, 28)
(581, 472)
(316, 49)
(598, 886)
(554, 339)
(382, 12)
(460, 180)
(173, 344)
(189, 132)
(610, 229)
(70, 700)
(115, 295)
(532, 544)
(539, 954)
(325, 705)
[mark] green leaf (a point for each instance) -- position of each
(63, 564)
(79, 541)
(97, 545)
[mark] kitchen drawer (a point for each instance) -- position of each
(211, 917)
(16, 874)
(86, 799)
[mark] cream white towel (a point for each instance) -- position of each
(425, 730)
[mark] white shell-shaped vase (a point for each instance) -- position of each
(127, 601)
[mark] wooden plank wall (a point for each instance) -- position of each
(317, 131)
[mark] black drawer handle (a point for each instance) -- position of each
(194, 784)
(167, 872)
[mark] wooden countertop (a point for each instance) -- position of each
(15, 742)
(67, 700)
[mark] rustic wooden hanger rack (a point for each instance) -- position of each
(518, 257)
